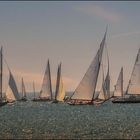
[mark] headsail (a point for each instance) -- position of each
(87, 86)
(23, 91)
(12, 92)
(107, 80)
(119, 85)
(46, 90)
(60, 91)
(134, 82)
(102, 94)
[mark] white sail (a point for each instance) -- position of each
(46, 90)
(23, 90)
(107, 81)
(134, 82)
(60, 91)
(118, 92)
(12, 92)
(102, 93)
(87, 86)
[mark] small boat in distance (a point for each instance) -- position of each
(46, 89)
(60, 91)
(23, 91)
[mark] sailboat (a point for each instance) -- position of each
(60, 91)
(12, 91)
(118, 91)
(46, 90)
(133, 88)
(2, 100)
(84, 93)
(23, 91)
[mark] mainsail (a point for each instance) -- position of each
(46, 90)
(87, 86)
(134, 82)
(23, 91)
(118, 92)
(60, 91)
(12, 92)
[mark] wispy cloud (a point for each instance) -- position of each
(125, 34)
(101, 12)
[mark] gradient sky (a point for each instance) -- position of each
(67, 32)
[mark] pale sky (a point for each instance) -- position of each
(67, 32)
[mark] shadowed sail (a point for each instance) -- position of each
(60, 91)
(134, 82)
(46, 90)
(118, 92)
(87, 86)
(23, 90)
(12, 92)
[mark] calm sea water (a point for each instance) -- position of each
(44, 120)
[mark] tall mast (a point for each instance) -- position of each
(34, 89)
(122, 81)
(50, 78)
(1, 72)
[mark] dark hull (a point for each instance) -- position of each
(3, 103)
(126, 101)
(81, 103)
(23, 100)
(40, 100)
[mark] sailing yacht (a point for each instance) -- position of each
(23, 91)
(46, 89)
(60, 91)
(84, 93)
(2, 100)
(133, 88)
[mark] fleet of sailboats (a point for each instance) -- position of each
(86, 91)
